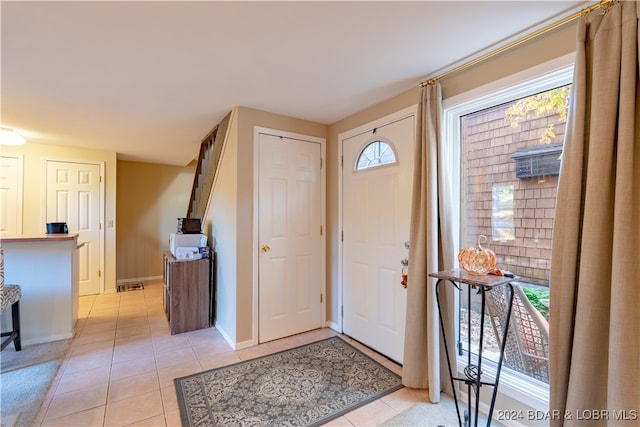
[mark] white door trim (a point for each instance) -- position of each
(43, 204)
(336, 323)
(257, 130)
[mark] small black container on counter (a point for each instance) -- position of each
(57, 228)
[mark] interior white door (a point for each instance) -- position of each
(289, 277)
(376, 216)
(10, 195)
(73, 196)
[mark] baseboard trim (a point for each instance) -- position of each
(226, 337)
(333, 326)
(251, 343)
(245, 344)
(48, 339)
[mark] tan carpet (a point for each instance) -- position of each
(25, 377)
(425, 414)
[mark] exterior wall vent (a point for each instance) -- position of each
(538, 161)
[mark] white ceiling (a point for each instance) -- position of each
(149, 79)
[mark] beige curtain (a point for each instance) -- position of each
(595, 270)
(430, 251)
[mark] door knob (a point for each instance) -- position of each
(266, 248)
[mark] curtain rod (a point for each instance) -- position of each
(604, 4)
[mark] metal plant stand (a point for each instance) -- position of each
(473, 370)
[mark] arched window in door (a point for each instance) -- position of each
(374, 154)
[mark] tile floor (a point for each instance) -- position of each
(119, 368)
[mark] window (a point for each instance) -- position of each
(374, 154)
(517, 211)
(507, 143)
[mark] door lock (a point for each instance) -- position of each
(266, 248)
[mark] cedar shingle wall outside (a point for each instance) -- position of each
(488, 143)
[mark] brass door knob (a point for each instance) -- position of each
(266, 248)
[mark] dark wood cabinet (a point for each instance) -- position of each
(186, 293)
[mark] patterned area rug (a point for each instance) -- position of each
(304, 386)
(126, 287)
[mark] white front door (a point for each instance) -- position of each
(10, 194)
(73, 196)
(289, 236)
(377, 176)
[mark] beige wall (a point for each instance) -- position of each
(540, 50)
(149, 212)
(220, 224)
(231, 211)
(535, 52)
(33, 220)
(248, 119)
(150, 199)
(544, 48)
(241, 145)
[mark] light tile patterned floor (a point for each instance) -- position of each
(120, 367)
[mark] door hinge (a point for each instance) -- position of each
(342, 236)
(341, 161)
(99, 273)
(320, 162)
(342, 311)
(320, 298)
(321, 230)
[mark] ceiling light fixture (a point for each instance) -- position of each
(11, 137)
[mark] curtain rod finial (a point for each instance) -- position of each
(429, 82)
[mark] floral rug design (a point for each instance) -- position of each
(304, 386)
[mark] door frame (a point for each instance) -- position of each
(43, 207)
(255, 259)
(342, 136)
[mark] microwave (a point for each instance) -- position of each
(189, 226)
